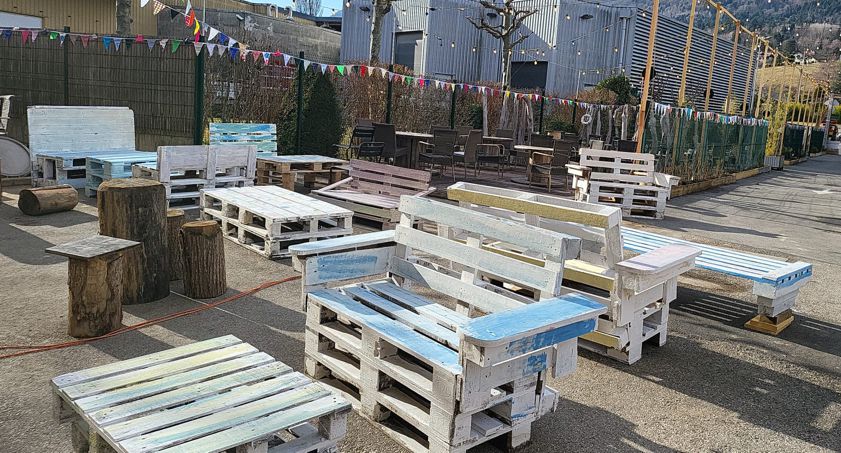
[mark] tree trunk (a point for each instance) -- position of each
(381, 8)
(204, 259)
(124, 19)
(46, 200)
(135, 209)
(174, 221)
(96, 292)
(507, 50)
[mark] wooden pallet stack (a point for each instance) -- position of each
(622, 179)
(433, 378)
(263, 136)
(112, 166)
(268, 219)
(636, 291)
(284, 171)
(186, 170)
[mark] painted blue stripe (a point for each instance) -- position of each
(224, 128)
(550, 338)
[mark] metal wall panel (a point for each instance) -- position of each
(83, 16)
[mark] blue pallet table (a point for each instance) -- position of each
(66, 167)
(775, 283)
(112, 166)
(264, 136)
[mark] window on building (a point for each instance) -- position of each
(526, 74)
(19, 20)
(407, 48)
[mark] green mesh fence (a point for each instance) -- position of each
(793, 142)
(697, 150)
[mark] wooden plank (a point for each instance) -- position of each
(658, 260)
(442, 315)
(407, 173)
(57, 128)
(91, 247)
(321, 269)
(343, 243)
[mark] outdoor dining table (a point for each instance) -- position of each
(413, 139)
(532, 149)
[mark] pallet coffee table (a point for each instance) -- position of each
(209, 396)
(284, 170)
(268, 219)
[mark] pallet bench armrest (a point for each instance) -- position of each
(333, 186)
(577, 170)
(648, 269)
(497, 337)
(664, 180)
(369, 241)
(424, 192)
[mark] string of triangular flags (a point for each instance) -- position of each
(689, 112)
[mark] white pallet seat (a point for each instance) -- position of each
(636, 291)
(408, 360)
(626, 180)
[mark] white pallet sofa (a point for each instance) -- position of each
(636, 291)
(622, 179)
(434, 379)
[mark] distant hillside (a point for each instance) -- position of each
(810, 27)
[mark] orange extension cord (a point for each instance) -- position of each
(32, 349)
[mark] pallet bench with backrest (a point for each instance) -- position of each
(215, 395)
(776, 283)
(185, 170)
(434, 379)
(372, 190)
(637, 291)
(625, 180)
(61, 138)
(263, 136)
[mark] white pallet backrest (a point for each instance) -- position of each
(378, 178)
(59, 128)
(206, 159)
(618, 166)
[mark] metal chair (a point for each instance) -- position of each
(440, 150)
(463, 132)
(385, 134)
(628, 146)
(544, 141)
(362, 134)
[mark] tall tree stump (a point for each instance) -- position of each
(95, 280)
(204, 259)
(174, 220)
(135, 209)
(47, 200)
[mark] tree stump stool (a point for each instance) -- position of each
(204, 259)
(47, 200)
(174, 220)
(135, 209)
(95, 280)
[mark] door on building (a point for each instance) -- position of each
(527, 74)
(407, 48)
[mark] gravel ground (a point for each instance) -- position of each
(713, 387)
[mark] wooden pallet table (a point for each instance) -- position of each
(65, 136)
(268, 219)
(208, 396)
(636, 291)
(433, 378)
(776, 283)
(283, 171)
(111, 166)
(263, 136)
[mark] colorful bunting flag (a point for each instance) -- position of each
(143, 3)
(198, 47)
(157, 7)
(151, 43)
(117, 42)
(106, 41)
(212, 34)
(175, 44)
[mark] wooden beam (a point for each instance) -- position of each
(750, 70)
(682, 92)
(712, 57)
(655, 14)
(734, 56)
(770, 86)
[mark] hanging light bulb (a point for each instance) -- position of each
(453, 44)
(567, 17)
(347, 4)
(474, 49)
(535, 62)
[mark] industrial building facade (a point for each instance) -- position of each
(571, 46)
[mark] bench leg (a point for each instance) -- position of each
(774, 314)
(771, 325)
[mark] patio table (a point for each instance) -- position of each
(414, 139)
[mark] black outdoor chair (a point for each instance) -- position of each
(440, 150)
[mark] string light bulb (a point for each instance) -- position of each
(347, 4)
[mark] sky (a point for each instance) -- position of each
(325, 4)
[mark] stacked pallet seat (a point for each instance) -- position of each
(625, 180)
(263, 136)
(636, 291)
(435, 379)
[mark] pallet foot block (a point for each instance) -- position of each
(215, 395)
(776, 283)
(431, 377)
(636, 291)
(203, 259)
(372, 190)
(48, 200)
(95, 279)
(771, 325)
(622, 179)
(268, 219)
(135, 209)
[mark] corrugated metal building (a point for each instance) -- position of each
(571, 45)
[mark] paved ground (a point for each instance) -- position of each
(713, 387)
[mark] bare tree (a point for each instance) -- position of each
(381, 8)
(311, 7)
(124, 19)
(512, 19)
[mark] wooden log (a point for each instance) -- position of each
(174, 221)
(204, 259)
(47, 200)
(95, 293)
(135, 209)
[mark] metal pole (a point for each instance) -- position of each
(652, 32)
(453, 108)
(198, 100)
(66, 70)
(542, 107)
(388, 94)
(300, 112)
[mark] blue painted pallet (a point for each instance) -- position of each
(264, 136)
(112, 166)
(768, 271)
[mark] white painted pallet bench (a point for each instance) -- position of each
(776, 283)
(75, 132)
(268, 219)
(112, 166)
(636, 291)
(372, 190)
(622, 179)
(263, 136)
(208, 396)
(185, 170)
(433, 378)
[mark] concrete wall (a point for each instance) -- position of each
(264, 33)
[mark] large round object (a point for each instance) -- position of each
(15, 158)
